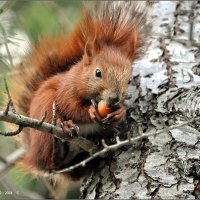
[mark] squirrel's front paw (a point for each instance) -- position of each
(94, 116)
(111, 120)
(115, 117)
(69, 127)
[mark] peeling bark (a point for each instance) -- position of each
(165, 92)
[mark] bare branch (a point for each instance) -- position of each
(12, 133)
(47, 128)
(123, 143)
(41, 125)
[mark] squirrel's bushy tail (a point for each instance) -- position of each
(120, 24)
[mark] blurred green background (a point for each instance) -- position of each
(21, 24)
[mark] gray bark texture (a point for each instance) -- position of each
(165, 92)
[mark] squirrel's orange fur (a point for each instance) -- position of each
(62, 69)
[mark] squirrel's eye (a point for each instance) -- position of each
(129, 81)
(98, 73)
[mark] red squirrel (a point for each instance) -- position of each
(93, 62)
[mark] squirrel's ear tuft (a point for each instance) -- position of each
(91, 49)
(131, 48)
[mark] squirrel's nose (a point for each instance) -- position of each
(113, 98)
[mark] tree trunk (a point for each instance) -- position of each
(165, 92)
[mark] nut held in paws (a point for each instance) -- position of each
(103, 108)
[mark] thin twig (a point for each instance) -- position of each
(53, 121)
(129, 135)
(12, 133)
(7, 107)
(123, 143)
(44, 115)
(104, 143)
(118, 140)
(9, 98)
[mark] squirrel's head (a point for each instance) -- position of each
(106, 73)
